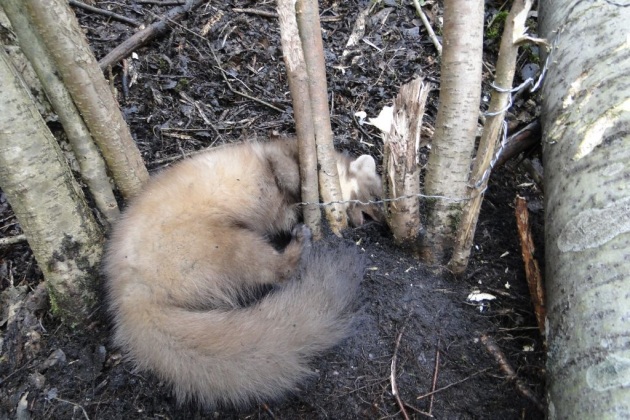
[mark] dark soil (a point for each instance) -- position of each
(177, 102)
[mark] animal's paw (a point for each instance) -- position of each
(298, 248)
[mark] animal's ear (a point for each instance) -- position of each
(363, 165)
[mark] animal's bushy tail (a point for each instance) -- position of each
(251, 354)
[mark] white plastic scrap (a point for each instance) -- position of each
(384, 120)
(477, 296)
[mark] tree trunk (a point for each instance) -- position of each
(91, 163)
(460, 93)
(59, 226)
(59, 29)
(504, 77)
(329, 188)
(302, 113)
(586, 140)
(401, 177)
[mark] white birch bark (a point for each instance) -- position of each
(88, 157)
(59, 226)
(586, 141)
(460, 93)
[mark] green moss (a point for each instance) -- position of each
(72, 299)
(455, 216)
(182, 85)
(532, 52)
(65, 308)
(495, 27)
(54, 305)
(430, 202)
(163, 65)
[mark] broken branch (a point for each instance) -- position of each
(140, 38)
(532, 270)
(520, 141)
(507, 369)
(103, 12)
(427, 25)
(11, 240)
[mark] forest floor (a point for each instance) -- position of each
(177, 101)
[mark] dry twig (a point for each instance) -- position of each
(393, 376)
(256, 12)
(532, 270)
(162, 3)
(274, 15)
(520, 141)
(507, 369)
(142, 37)
(11, 240)
(104, 12)
(428, 27)
(428, 394)
(435, 375)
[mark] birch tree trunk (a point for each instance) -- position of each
(307, 13)
(91, 163)
(513, 30)
(59, 226)
(68, 47)
(460, 93)
(586, 140)
(297, 78)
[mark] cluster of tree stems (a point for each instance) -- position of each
(585, 119)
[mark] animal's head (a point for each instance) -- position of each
(360, 181)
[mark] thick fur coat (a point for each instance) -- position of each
(201, 297)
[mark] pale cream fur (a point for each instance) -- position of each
(200, 297)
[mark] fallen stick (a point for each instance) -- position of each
(435, 375)
(393, 376)
(11, 240)
(162, 3)
(103, 12)
(142, 37)
(428, 394)
(428, 27)
(507, 369)
(520, 141)
(532, 270)
(274, 15)
(256, 12)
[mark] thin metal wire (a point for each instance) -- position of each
(512, 91)
(486, 174)
(386, 200)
